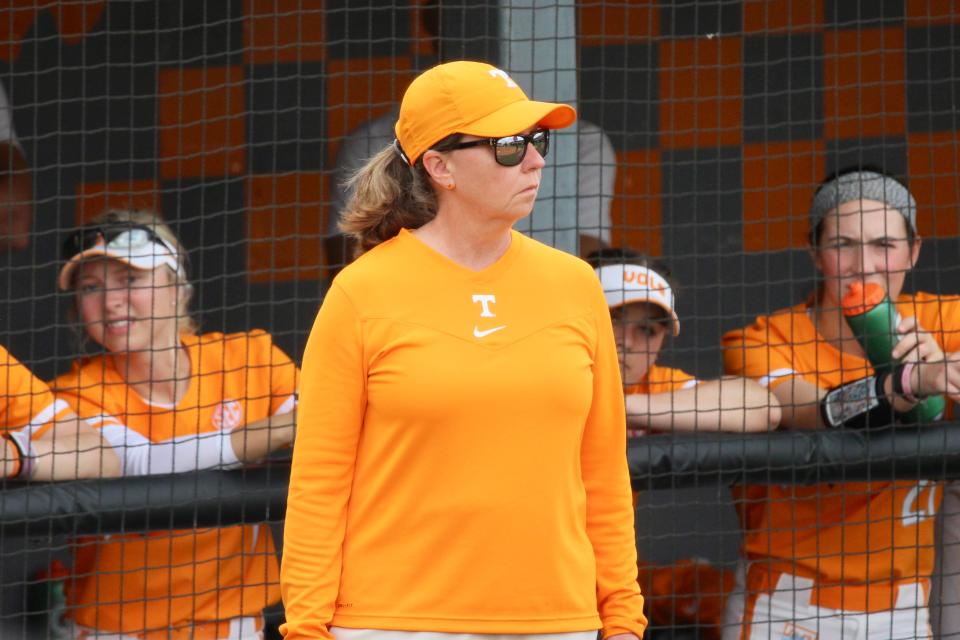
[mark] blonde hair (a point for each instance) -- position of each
(185, 322)
(387, 195)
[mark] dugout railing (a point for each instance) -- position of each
(659, 462)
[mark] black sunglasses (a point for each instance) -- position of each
(509, 151)
(125, 234)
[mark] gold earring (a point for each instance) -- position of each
(450, 187)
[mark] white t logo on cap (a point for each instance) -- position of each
(499, 73)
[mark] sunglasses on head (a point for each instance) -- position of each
(509, 151)
(118, 235)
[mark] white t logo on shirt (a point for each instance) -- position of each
(485, 301)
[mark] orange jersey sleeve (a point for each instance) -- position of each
(455, 423)
(333, 403)
(764, 351)
(939, 315)
(663, 380)
(173, 578)
(25, 400)
(606, 478)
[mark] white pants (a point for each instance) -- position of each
(342, 633)
(240, 629)
(787, 614)
(945, 592)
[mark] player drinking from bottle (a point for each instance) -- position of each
(847, 560)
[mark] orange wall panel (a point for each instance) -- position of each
(778, 184)
(701, 92)
(16, 19)
(864, 83)
(934, 165)
(771, 16)
(202, 122)
(75, 19)
(95, 197)
(602, 22)
(284, 226)
(283, 31)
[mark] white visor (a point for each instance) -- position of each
(627, 283)
(134, 247)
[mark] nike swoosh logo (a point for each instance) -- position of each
(483, 334)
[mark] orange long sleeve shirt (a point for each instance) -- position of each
(459, 464)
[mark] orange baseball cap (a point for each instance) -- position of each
(469, 97)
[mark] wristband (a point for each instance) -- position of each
(21, 440)
(858, 404)
(13, 449)
(906, 384)
(898, 380)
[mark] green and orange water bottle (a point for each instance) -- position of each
(873, 318)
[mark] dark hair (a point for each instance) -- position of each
(813, 236)
(388, 195)
(620, 255)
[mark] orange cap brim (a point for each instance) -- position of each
(520, 115)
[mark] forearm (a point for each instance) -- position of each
(802, 403)
(661, 411)
(744, 405)
(70, 450)
(799, 404)
(730, 404)
(197, 452)
(255, 440)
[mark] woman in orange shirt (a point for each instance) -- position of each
(168, 400)
(459, 465)
(845, 560)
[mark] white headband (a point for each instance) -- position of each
(626, 283)
(145, 254)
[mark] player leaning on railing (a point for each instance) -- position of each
(169, 400)
(662, 399)
(659, 398)
(847, 560)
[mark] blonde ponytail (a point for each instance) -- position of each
(388, 195)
